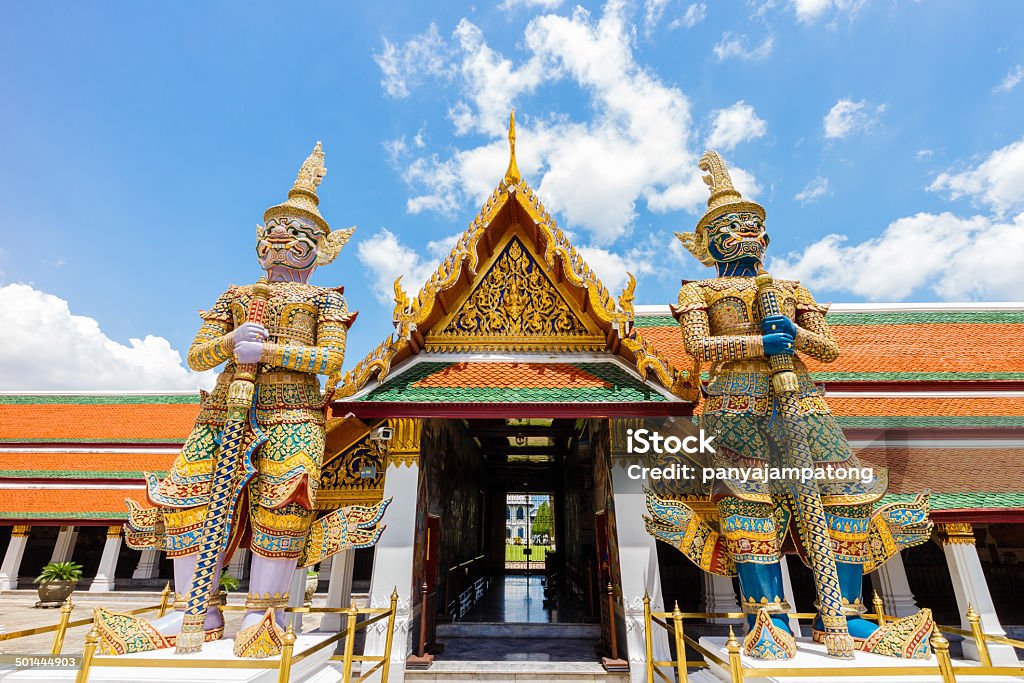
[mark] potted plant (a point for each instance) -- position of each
(227, 583)
(57, 581)
(312, 579)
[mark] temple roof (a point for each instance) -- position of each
(898, 343)
(514, 285)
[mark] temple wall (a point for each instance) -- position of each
(452, 489)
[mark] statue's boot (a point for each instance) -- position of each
(262, 631)
(906, 638)
(769, 635)
(123, 633)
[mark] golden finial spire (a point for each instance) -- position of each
(718, 180)
(512, 174)
(302, 198)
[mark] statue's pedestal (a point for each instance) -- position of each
(811, 655)
(220, 670)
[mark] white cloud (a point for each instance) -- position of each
(529, 4)
(406, 65)
(636, 145)
(923, 154)
(388, 259)
(653, 11)
(1012, 80)
(46, 347)
(813, 191)
(740, 47)
(808, 11)
(997, 182)
(693, 15)
(957, 258)
(734, 125)
(847, 117)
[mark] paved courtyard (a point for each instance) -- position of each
(17, 613)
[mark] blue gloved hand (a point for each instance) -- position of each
(778, 323)
(777, 344)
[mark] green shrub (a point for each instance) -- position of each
(60, 571)
(229, 583)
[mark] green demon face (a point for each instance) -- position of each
(737, 237)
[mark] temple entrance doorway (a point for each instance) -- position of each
(518, 568)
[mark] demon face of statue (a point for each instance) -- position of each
(739, 236)
(287, 248)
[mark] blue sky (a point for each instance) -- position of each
(141, 144)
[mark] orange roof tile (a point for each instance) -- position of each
(903, 348)
(88, 465)
(924, 348)
(104, 422)
(846, 406)
(67, 503)
(949, 470)
(511, 375)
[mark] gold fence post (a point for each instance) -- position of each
(350, 641)
(165, 597)
(92, 639)
(735, 664)
(391, 633)
(284, 672)
(941, 647)
(677, 623)
(648, 645)
(979, 636)
(879, 609)
(62, 626)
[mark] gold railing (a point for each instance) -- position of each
(943, 667)
(289, 657)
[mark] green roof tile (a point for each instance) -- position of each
(624, 388)
(963, 501)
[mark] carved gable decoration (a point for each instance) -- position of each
(354, 477)
(516, 306)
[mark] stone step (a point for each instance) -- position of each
(468, 629)
(517, 672)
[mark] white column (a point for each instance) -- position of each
(239, 564)
(392, 565)
(890, 581)
(65, 545)
(12, 559)
(787, 593)
(104, 580)
(149, 564)
(718, 595)
(297, 597)
(339, 590)
(970, 588)
(638, 566)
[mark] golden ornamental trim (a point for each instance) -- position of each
(327, 501)
(20, 530)
(618, 437)
(682, 383)
(956, 533)
(114, 531)
(376, 363)
(404, 447)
